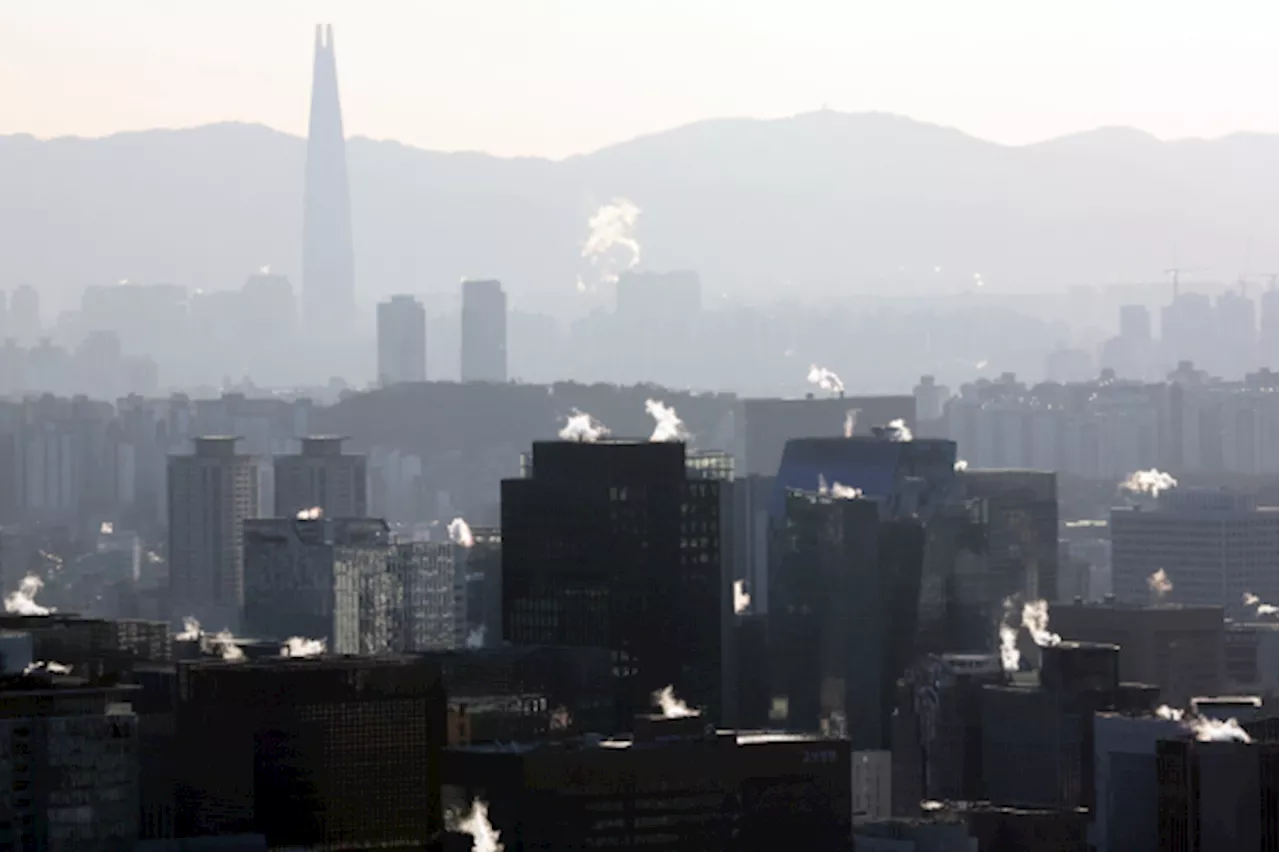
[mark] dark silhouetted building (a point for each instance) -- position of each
(484, 332)
(68, 765)
(328, 259)
(843, 615)
(1216, 796)
(768, 424)
(617, 545)
(1177, 648)
(526, 693)
(1022, 528)
(1125, 819)
(93, 647)
(1049, 726)
(326, 752)
(322, 477)
(211, 494)
(678, 784)
(402, 341)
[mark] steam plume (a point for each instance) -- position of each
(667, 424)
(741, 598)
(1205, 729)
(612, 229)
(1259, 608)
(672, 708)
(1160, 584)
(825, 379)
(1010, 656)
(225, 645)
(23, 601)
(1035, 617)
(315, 513)
(460, 533)
(475, 638)
(580, 426)
(837, 490)
(190, 630)
(484, 837)
(897, 431)
(50, 667)
(1149, 482)
(961, 466)
(850, 422)
(561, 719)
(1208, 730)
(297, 646)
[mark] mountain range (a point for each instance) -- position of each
(807, 207)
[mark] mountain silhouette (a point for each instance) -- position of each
(806, 207)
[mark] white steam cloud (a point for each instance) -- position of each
(837, 490)
(475, 638)
(315, 513)
(460, 533)
(580, 426)
(1159, 584)
(49, 667)
(672, 708)
(1149, 482)
(224, 644)
(475, 822)
(850, 422)
(1035, 618)
(825, 379)
(1217, 731)
(23, 601)
(190, 630)
(897, 431)
(741, 598)
(611, 245)
(1253, 601)
(298, 646)
(667, 425)
(961, 466)
(1203, 728)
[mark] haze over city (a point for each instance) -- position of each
(502, 426)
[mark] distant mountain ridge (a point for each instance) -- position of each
(804, 207)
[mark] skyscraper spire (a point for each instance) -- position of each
(328, 263)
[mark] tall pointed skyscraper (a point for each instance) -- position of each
(328, 262)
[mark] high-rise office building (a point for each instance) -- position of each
(69, 766)
(842, 615)
(329, 752)
(1213, 546)
(768, 424)
(616, 545)
(343, 580)
(1177, 648)
(289, 575)
(402, 341)
(328, 259)
(673, 785)
(1022, 528)
(321, 477)
(211, 494)
(484, 332)
(1268, 327)
(1215, 795)
(24, 315)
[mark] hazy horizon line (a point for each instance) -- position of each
(1128, 129)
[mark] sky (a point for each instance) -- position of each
(526, 78)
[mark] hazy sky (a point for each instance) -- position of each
(557, 78)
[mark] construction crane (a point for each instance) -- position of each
(1175, 271)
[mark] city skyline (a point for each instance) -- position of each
(1176, 74)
